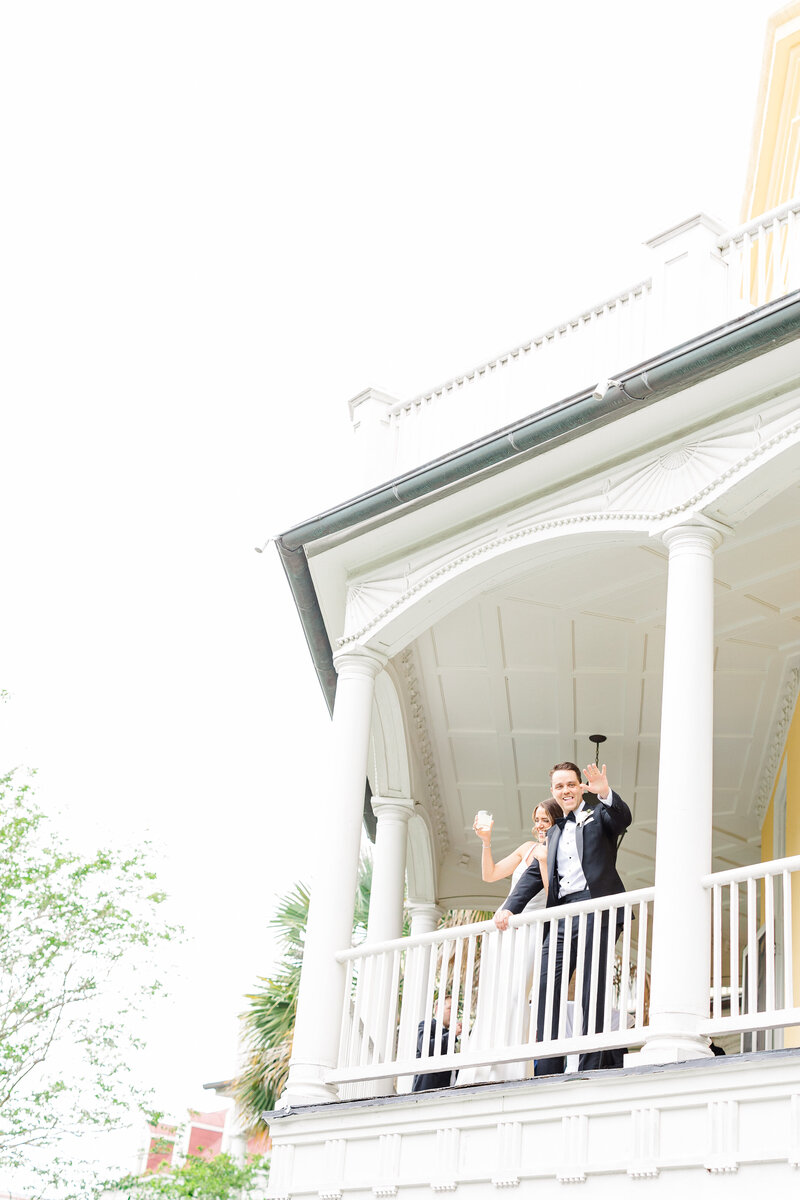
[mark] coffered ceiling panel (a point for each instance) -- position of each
(527, 635)
(736, 705)
(653, 655)
(493, 798)
(734, 656)
(738, 613)
(650, 714)
(529, 797)
(760, 554)
(475, 758)
(776, 633)
(458, 639)
(533, 701)
(601, 644)
(600, 694)
(647, 762)
(636, 601)
(466, 700)
(782, 591)
(533, 758)
(730, 761)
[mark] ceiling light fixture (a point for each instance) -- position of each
(598, 739)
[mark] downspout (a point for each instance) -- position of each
(295, 565)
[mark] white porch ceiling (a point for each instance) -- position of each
(517, 680)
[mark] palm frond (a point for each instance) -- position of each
(267, 1024)
(454, 918)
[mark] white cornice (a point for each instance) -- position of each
(715, 461)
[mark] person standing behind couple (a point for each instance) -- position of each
(436, 1079)
(581, 864)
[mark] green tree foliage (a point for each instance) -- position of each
(268, 1022)
(217, 1178)
(77, 940)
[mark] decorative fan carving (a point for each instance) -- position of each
(677, 458)
(366, 600)
(674, 477)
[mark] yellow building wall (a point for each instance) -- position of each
(791, 756)
(773, 171)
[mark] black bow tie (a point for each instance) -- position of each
(561, 821)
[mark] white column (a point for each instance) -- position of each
(388, 868)
(680, 966)
(385, 920)
(330, 919)
(425, 918)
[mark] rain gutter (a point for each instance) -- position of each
(719, 350)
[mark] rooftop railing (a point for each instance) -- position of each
(763, 258)
(696, 284)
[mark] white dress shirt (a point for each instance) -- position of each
(570, 871)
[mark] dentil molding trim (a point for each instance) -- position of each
(778, 740)
(554, 334)
(417, 712)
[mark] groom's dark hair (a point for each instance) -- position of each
(567, 766)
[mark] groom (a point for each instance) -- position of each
(581, 864)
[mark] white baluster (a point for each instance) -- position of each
(734, 945)
(537, 972)
(624, 979)
(641, 963)
(752, 948)
(788, 944)
(769, 949)
(468, 980)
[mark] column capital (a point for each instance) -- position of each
(359, 661)
(704, 535)
(396, 807)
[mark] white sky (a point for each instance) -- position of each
(222, 221)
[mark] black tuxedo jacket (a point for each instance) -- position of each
(596, 839)
(432, 1079)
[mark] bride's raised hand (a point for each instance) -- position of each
(484, 832)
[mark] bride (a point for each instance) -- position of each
(514, 864)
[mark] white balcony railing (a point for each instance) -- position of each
(494, 981)
(392, 988)
(752, 977)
